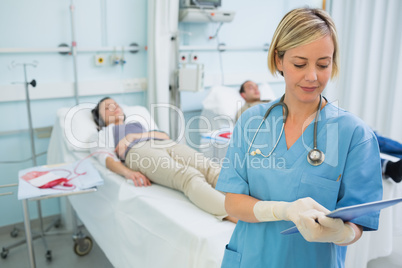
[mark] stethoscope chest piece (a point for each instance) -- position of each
(315, 157)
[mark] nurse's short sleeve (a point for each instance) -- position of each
(362, 180)
(233, 175)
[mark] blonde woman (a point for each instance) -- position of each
(293, 160)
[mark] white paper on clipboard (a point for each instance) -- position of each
(352, 212)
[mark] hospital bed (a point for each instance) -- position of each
(137, 226)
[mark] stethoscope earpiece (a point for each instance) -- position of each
(258, 151)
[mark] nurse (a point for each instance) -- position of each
(269, 182)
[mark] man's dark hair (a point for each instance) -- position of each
(242, 87)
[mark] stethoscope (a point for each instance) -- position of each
(315, 157)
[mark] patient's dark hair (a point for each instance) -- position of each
(242, 86)
(95, 114)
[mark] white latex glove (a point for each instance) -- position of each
(309, 218)
(288, 211)
(264, 211)
(292, 211)
(316, 227)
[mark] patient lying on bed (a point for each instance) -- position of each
(126, 148)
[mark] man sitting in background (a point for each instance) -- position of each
(251, 94)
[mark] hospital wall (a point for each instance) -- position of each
(103, 23)
(253, 26)
(46, 24)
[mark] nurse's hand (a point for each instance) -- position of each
(291, 211)
(316, 227)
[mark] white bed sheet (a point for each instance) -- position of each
(144, 226)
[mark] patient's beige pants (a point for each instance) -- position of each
(179, 167)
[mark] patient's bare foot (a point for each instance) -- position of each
(230, 218)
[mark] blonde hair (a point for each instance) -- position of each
(300, 27)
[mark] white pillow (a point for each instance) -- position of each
(80, 129)
(223, 100)
(266, 92)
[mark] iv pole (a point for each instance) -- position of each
(33, 152)
(74, 52)
(31, 132)
(29, 237)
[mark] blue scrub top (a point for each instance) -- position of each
(350, 175)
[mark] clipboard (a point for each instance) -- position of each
(352, 212)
